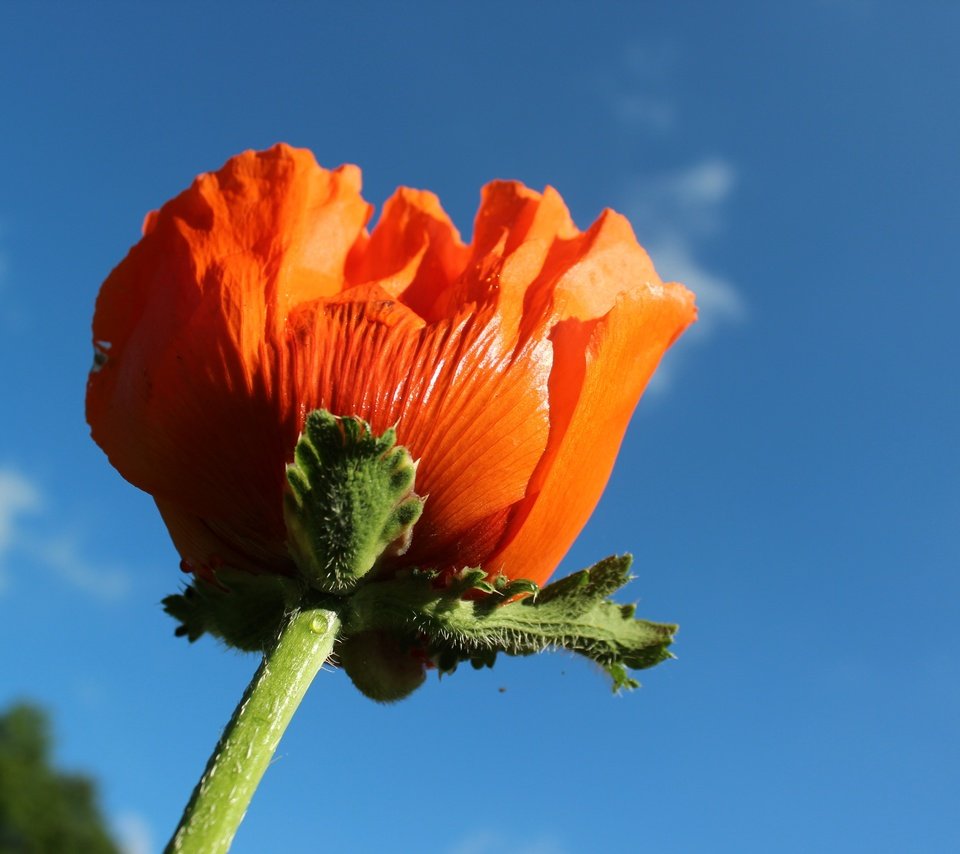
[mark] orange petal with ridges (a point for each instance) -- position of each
(611, 359)
(415, 235)
(510, 366)
(462, 399)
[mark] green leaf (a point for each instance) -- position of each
(243, 610)
(573, 613)
(349, 499)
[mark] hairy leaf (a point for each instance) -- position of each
(573, 613)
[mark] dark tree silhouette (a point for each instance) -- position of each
(43, 810)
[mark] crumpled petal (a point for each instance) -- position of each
(509, 365)
(198, 304)
(601, 368)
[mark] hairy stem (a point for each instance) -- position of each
(220, 799)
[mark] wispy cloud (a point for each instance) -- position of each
(63, 555)
(640, 98)
(689, 199)
(718, 301)
(18, 496)
(27, 532)
(675, 213)
(678, 212)
(134, 833)
(644, 111)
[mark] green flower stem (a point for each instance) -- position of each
(246, 747)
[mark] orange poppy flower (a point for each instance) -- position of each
(510, 365)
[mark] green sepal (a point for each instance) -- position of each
(243, 610)
(573, 613)
(349, 499)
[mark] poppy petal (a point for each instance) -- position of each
(415, 252)
(187, 325)
(611, 359)
(510, 366)
(466, 404)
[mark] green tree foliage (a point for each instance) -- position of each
(43, 810)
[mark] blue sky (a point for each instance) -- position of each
(789, 486)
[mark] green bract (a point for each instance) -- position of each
(349, 499)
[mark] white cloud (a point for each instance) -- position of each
(63, 556)
(640, 97)
(17, 497)
(643, 111)
(685, 202)
(718, 301)
(674, 214)
(55, 550)
(134, 833)
(705, 183)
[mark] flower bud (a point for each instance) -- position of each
(349, 499)
(382, 665)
